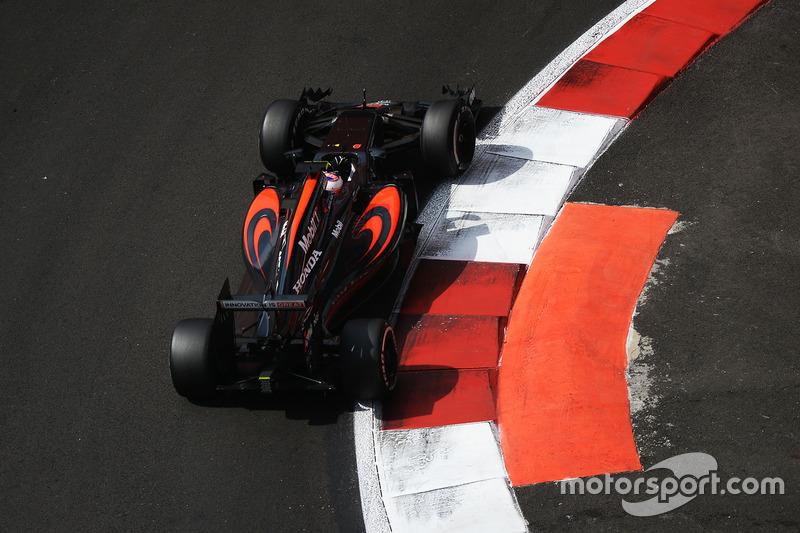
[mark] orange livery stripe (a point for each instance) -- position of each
(381, 218)
(261, 221)
(302, 205)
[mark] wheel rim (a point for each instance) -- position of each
(463, 145)
(458, 140)
(389, 359)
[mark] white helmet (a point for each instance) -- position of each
(334, 181)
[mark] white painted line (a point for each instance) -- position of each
(421, 460)
(499, 184)
(549, 75)
(490, 237)
(365, 428)
(556, 136)
(476, 507)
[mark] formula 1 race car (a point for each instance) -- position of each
(326, 229)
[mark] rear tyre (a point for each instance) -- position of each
(448, 137)
(369, 359)
(191, 359)
(281, 131)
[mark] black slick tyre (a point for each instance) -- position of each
(191, 359)
(369, 359)
(448, 137)
(281, 131)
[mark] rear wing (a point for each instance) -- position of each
(262, 303)
(255, 302)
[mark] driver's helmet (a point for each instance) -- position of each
(334, 181)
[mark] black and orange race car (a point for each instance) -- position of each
(328, 227)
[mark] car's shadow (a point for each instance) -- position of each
(317, 407)
(458, 226)
(426, 183)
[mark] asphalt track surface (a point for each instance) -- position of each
(127, 145)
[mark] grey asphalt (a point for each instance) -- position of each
(127, 146)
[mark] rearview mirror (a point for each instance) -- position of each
(297, 153)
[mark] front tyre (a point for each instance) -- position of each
(369, 359)
(281, 131)
(448, 137)
(191, 359)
